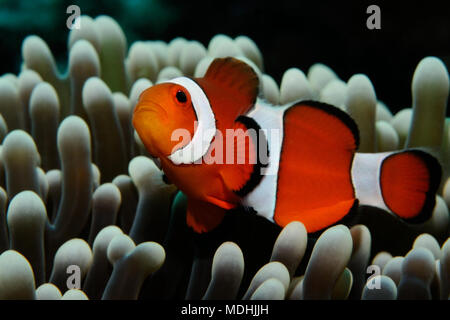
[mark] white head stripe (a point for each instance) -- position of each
(206, 129)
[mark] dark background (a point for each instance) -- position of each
(289, 33)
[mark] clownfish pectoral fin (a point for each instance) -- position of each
(203, 216)
(241, 171)
(232, 86)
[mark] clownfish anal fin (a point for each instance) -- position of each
(241, 171)
(347, 209)
(203, 216)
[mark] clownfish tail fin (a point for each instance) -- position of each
(409, 181)
(404, 183)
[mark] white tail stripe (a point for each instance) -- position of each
(366, 170)
(205, 130)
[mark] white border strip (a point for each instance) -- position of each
(206, 129)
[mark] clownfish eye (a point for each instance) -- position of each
(181, 96)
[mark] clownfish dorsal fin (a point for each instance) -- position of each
(232, 86)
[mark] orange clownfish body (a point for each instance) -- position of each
(223, 147)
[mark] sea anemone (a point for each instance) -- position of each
(80, 194)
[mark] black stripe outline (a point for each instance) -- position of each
(256, 176)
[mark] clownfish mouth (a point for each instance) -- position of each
(152, 107)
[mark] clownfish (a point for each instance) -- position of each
(300, 164)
